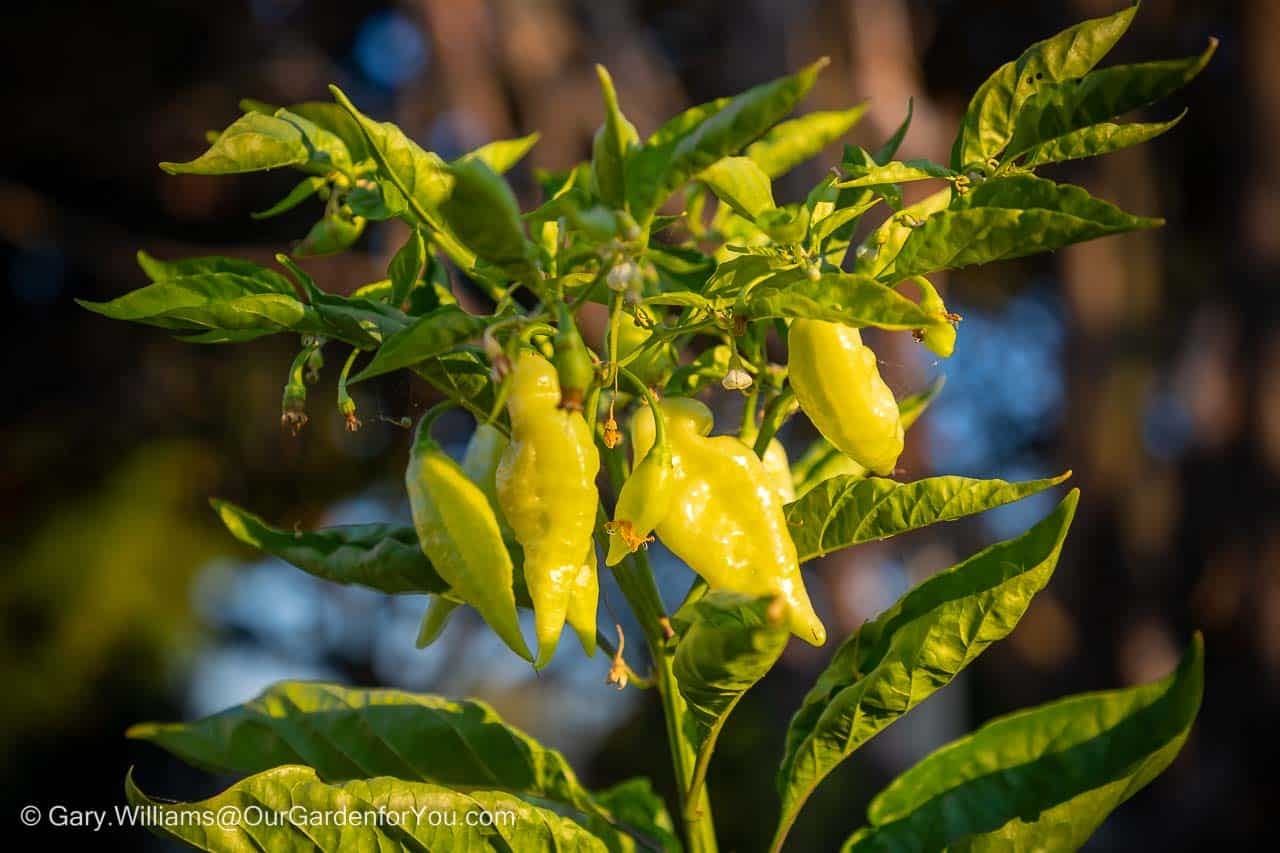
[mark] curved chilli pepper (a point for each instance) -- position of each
(839, 387)
(435, 619)
(584, 598)
(726, 520)
(459, 533)
(546, 486)
(778, 467)
(643, 501)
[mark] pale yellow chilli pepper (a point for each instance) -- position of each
(546, 486)
(726, 520)
(584, 599)
(779, 467)
(839, 387)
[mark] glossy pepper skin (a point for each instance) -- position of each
(725, 519)
(839, 387)
(546, 486)
(459, 533)
(643, 502)
(779, 467)
(584, 598)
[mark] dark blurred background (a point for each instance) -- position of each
(1149, 363)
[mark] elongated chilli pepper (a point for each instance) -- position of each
(725, 519)
(645, 498)
(546, 486)
(459, 533)
(839, 387)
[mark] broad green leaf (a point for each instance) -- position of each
(1095, 140)
(682, 151)
(1061, 108)
(850, 510)
(482, 212)
(793, 142)
(346, 733)
(988, 123)
(502, 155)
(1005, 218)
(406, 267)
(256, 312)
(730, 643)
(881, 247)
(258, 279)
(325, 151)
(736, 275)
(1040, 779)
(300, 193)
(707, 369)
(253, 143)
(290, 808)
(427, 336)
(192, 301)
(330, 235)
(384, 557)
(462, 375)
(339, 122)
(893, 172)
(741, 184)
(420, 176)
(911, 650)
(363, 323)
(610, 147)
(859, 161)
(854, 300)
(642, 813)
(375, 200)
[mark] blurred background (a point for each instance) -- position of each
(1148, 363)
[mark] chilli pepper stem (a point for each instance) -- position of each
(429, 417)
(776, 413)
(659, 419)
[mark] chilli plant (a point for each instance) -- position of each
(584, 456)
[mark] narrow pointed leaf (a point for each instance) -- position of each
(300, 193)
(198, 300)
(798, 140)
(406, 267)
(988, 123)
(502, 155)
(913, 649)
(680, 152)
(258, 279)
(1095, 140)
(894, 172)
(1069, 105)
(611, 146)
(291, 808)
(1007, 218)
(428, 336)
(1040, 779)
(482, 212)
(849, 510)
(881, 247)
(384, 557)
(848, 298)
(347, 734)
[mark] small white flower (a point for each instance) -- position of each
(621, 276)
(736, 379)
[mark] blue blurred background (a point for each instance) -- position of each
(1147, 363)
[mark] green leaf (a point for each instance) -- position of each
(482, 211)
(791, 143)
(330, 235)
(850, 510)
(707, 369)
(253, 143)
(406, 267)
(384, 557)
(741, 184)
(730, 643)
(502, 155)
(346, 733)
(1070, 105)
(913, 649)
(889, 150)
(339, 122)
(462, 375)
(696, 139)
(300, 193)
(290, 808)
(427, 336)
(610, 147)
(257, 278)
(881, 247)
(848, 298)
(635, 805)
(1095, 140)
(894, 172)
(1005, 218)
(222, 300)
(1040, 779)
(988, 123)
(325, 151)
